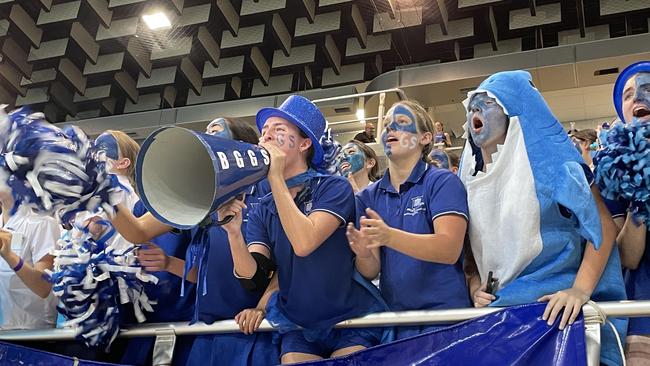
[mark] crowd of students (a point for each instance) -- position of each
(304, 246)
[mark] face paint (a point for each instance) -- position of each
(350, 160)
(402, 126)
(219, 127)
(486, 120)
(636, 98)
(106, 144)
(440, 157)
(281, 133)
(402, 119)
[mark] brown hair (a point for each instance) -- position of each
(454, 160)
(128, 149)
(373, 173)
(588, 135)
(424, 124)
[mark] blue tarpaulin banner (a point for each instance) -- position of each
(513, 336)
(12, 354)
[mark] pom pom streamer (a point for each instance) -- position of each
(623, 169)
(93, 279)
(54, 171)
(331, 149)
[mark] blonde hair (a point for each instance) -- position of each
(128, 149)
(424, 124)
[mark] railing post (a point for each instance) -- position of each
(592, 335)
(163, 349)
(380, 117)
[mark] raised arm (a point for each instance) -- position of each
(137, 229)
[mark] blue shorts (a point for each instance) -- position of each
(294, 341)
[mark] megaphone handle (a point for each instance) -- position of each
(225, 220)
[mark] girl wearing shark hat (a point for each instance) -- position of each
(632, 102)
(531, 202)
(301, 229)
(412, 222)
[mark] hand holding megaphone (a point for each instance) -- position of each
(229, 215)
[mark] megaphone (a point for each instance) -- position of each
(183, 175)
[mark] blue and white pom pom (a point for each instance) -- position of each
(53, 171)
(92, 279)
(623, 167)
(331, 150)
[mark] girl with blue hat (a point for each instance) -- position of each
(632, 103)
(412, 222)
(300, 228)
(208, 263)
(538, 225)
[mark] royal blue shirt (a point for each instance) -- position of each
(637, 281)
(225, 296)
(171, 307)
(407, 283)
(316, 291)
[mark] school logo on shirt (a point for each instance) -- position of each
(308, 206)
(416, 205)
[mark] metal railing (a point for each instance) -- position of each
(166, 331)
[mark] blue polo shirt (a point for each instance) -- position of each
(316, 291)
(225, 296)
(637, 281)
(407, 283)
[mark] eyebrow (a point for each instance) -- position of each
(628, 89)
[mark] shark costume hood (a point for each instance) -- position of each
(532, 209)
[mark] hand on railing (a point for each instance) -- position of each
(570, 299)
(249, 320)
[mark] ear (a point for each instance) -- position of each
(305, 145)
(123, 163)
(370, 163)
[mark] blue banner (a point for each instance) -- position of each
(12, 354)
(513, 336)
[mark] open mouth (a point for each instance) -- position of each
(391, 139)
(477, 124)
(641, 112)
(344, 166)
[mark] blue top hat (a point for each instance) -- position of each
(303, 114)
(642, 66)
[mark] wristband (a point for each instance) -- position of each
(19, 266)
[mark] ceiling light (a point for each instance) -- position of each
(157, 20)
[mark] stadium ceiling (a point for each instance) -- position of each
(89, 58)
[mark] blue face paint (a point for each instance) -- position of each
(399, 119)
(219, 127)
(485, 119)
(440, 157)
(402, 119)
(350, 160)
(107, 144)
(641, 107)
